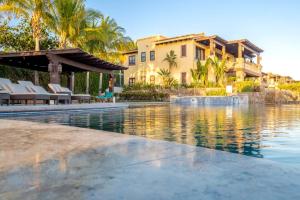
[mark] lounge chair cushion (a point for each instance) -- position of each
(3, 91)
(56, 88)
(17, 89)
(26, 83)
(81, 95)
(3, 84)
(5, 81)
(66, 90)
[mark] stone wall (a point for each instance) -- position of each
(216, 100)
(273, 96)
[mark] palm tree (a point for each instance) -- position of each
(167, 79)
(171, 58)
(32, 10)
(200, 74)
(196, 75)
(67, 19)
(107, 40)
(220, 69)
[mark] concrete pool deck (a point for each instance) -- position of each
(46, 161)
(34, 108)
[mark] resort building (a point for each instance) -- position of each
(144, 63)
(271, 80)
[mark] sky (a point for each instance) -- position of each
(273, 25)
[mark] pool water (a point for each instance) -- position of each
(271, 132)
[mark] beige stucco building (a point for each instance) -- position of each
(271, 80)
(243, 57)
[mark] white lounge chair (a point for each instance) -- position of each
(57, 89)
(66, 98)
(21, 93)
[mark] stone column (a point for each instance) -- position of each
(212, 47)
(36, 78)
(100, 83)
(55, 70)
(71, 81)
(224, 52)
(240, 75)
(258, 58)
(240, 50)
(87, 89)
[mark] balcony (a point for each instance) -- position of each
(250, 68)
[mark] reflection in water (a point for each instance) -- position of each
(271, 132)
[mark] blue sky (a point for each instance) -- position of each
(273, 25)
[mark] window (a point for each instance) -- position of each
(131, 60)
(183, 51)
(143, 57)
(131, 81)
(152, 80)
(183, 78)
(200, 53)
(152, 55)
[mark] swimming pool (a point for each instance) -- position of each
(271, 132)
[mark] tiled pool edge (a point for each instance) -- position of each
(35, 108)
(211, 100)
(173, 171)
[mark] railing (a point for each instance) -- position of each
(238, 64)
(252, 67)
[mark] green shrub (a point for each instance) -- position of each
(140, 86)
(247, 86)
(231, 80)
(294, 87)
(218, 92)
(141, 95)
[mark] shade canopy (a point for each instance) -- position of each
(71, 60)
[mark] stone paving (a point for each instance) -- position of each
(46, 161)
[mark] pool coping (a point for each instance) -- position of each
(65, 162)
(69, 107)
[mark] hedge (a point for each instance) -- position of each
(143, 96)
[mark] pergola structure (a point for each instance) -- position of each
(242, 48)
(59, 61)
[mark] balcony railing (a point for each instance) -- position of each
(252, 67)
(241, 64)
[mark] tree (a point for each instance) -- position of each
(167, 79)
(220, 69)
(67, 19)
(200, 74)
(196, 75)
(171, 59)
(31, 10)
(107, 40)
(19, 37)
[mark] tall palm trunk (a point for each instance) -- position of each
(37, 44)
(63, 41)
(36, 29)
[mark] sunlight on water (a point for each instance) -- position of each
(265, 132)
